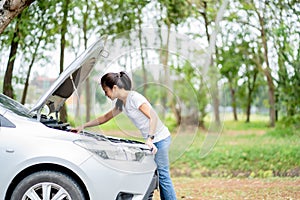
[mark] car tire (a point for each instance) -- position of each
(49, 184)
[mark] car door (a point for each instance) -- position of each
(6, 153)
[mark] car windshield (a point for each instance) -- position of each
(14, 106)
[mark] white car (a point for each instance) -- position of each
(41, 159)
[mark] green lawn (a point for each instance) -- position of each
(241, 150)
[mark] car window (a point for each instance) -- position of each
(6, 123)
(14, 106)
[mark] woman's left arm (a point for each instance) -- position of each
(152, 116)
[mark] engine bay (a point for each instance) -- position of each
(51, 122)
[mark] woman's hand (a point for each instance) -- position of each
(77, 129)
(152, 147)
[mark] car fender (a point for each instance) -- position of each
(44, 163)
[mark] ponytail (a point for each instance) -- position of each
(125, 81)
(120, 79)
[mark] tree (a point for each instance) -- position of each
(229, 68)
(268, 44)
(29, 31)
(250, 76)
(34, 56)
(85, 25)
(260, 12)
(119, 19)
(285, 35)
(192, 95)
(172, 13)
(212, 13)
(240, 60)
(7, 85)
(39, 37)
(64, 28)
(9, 9)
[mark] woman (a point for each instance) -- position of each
(139, 110)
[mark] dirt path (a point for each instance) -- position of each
(236, 189)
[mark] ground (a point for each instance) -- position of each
(236, 189)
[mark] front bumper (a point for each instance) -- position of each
(153, 186)
(106, 182)
(149, 194)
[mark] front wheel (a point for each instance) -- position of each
(47, 185)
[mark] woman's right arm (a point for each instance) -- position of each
(105, 118)
(100, 120)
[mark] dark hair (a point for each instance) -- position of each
(120, 79)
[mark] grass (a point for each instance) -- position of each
(241, 125)
(121, 122)
(246, 154)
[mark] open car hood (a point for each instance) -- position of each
(70, 79)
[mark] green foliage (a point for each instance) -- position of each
(170, 122)
(177, 11)
(244, 155)
(279, 132)
(290, 121)
(278, 159)
(193, 90)
(286, 127)
(239, 46)
(115, 17)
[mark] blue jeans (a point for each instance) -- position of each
(167, 191)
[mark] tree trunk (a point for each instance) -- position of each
(267, 72)
(166, 67)
(7, 85)
(213, 73)
(77, 101)
(168, 83)
(27, 81)
(87, 82)
(63, 112)
(248, 107)
(9, 9)
(31, 64)
(251, 89)
(271, 92)
(177, 112)
(142, 57)
(216, 102)
(233, 102)
(88, 99)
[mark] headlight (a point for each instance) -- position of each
(117, 151)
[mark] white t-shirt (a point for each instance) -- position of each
(140, 120)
